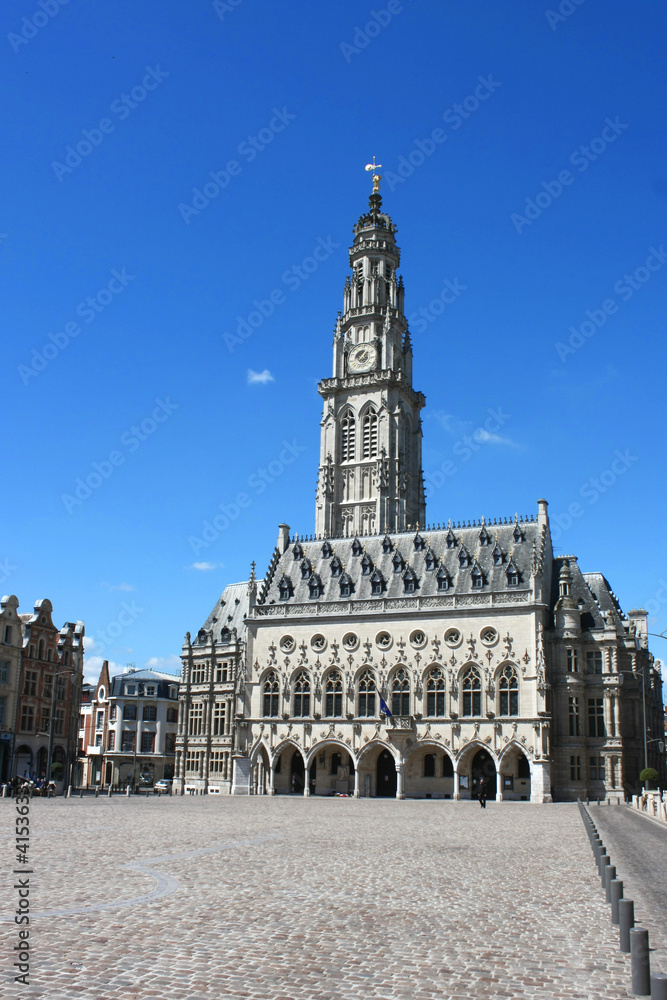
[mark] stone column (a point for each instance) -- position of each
(540, 781)
(356, 782)
(499, 784)
(457, 789)
(400, 794)
(272, 775)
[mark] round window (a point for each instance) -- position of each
(383, 640)
(350, 640)
(489, 636)
(318, 643)
(453, 637)
(287, 644)
(418, 639)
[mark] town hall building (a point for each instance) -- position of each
(385, 656)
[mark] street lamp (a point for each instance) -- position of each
(56, 673)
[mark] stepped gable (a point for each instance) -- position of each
(229, 612)
(411, 551)
(593, 600)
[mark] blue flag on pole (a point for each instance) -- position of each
(384, 707)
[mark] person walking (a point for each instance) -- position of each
(481, 793)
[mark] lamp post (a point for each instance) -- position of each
(56, 673)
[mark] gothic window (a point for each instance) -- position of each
(333, 700)
(471, 687)
(429, 765)
(271, 695)
(285, 588)
(306, 569)
(387, 544)
(357, 547)
(302, 696)
(366, 565)
(444, 583)
(435, 693)
(315, 587)
(347, 437)
(400, 693)
(336, 566)
(508, 689)
(369, 428)
(367, 695)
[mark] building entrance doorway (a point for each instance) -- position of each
(483, 767)
(297, 773)
(386, 775)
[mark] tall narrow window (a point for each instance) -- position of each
(400, 694)
(435, 693)
(508, 686)
(370, 434)
(573, 716)
(429, 765)
(594, 661)
(575, 768)
(472, 692)
(219, 718)
(367, 694)
(271, 695)
(302, 696)
(347, 450)
(572, 661)
(596, 717)
(334, 696)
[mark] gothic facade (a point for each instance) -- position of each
(384, 656)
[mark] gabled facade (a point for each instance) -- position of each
(140, 733)
(11, 646)
(93, 731)
(388, 656)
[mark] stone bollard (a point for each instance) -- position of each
(608, 875)
(97, 792)
(604, 861)
(616, 886)
(127, 790)
(626, 921)
(81, 793)
(641, 963)
(659, 986)
(109, 792)
(69, 791)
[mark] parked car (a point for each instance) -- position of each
(163, 786)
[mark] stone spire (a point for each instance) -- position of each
(370, 476)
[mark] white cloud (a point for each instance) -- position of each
(169, 664)
(259, 378)
(203, 566)
(93, 664)
(486, 437)
(119, 586)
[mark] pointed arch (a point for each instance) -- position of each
(369, 432)
(470, 680)
(348, 435)
(507, 679)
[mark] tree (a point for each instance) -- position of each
(648, 775)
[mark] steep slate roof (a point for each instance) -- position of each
(434, 541)
(228, 612)
(590, 590)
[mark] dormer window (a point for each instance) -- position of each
(497, 555)
(387, 544)
(398, 563)
(377, 584)
(512, 577)
(225, 636)
(357, 547)
(315, 587)
(285, 588)
(444, 583)
(464, 558)
(477, 578)
(297, 552)
(418, 543)
(430, 561)
(484, 537)
(518, 535)
(366, 565)
(451, 540)
(306, 569)
(327, 551)
(346, 586)
(336, 566)
(409, 582)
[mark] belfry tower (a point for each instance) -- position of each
(370, 476)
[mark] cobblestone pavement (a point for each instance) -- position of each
(638, 848)
(202, 898)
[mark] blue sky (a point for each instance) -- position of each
(168, 169)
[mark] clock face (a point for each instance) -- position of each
(362, 358)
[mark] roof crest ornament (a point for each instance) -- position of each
(376, 177)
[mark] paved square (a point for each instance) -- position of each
(297, 899)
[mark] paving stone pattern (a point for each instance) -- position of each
(311, 899)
